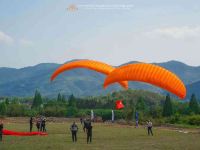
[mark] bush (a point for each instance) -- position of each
(81, 113)
(71, 111)
(54, 111)
(194, 120)
(158, 122)
(16, 110)
(119, 114)
(174, 119)
(3, 108)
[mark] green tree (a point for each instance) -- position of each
(3, 108)
(72, 101)
(155, 111)
(140, 105)
(72, 106)
(7, 101)
(15, 110)
(63, 99)
(37, 101)
(193, 105)
(167, 108)
(129, 112)
(59, 98)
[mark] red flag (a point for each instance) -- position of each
(119, 104)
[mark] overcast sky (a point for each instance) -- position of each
(113, 31)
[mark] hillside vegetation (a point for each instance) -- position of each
(80, 82)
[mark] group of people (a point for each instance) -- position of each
(40, 124)
(87, 127)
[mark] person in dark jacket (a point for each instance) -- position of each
(38, 124)
(44, 125)
(1, 130)
(74, 130)
(89, 133)
(31, 124)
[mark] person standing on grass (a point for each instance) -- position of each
(38, 124)
(84, 124)
(149, 127)
(81, 120)
(44, 124)
(31, 124)
(1, 130)
(74, 130)
(136, 119)
(89, 133)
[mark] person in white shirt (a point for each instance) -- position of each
(74, 130)
(149, 127)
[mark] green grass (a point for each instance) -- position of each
(105, 137)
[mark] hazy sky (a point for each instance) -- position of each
(114, 31)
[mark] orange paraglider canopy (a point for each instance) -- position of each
(148, 73)
(89, 64)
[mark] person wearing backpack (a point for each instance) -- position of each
(74, 130)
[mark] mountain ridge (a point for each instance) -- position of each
(81, 82)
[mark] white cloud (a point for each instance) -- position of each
(25, 42)
(5, 39)
(8, 40)
(176, 32)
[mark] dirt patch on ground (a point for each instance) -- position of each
(179, 129)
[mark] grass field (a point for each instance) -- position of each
(105, 137)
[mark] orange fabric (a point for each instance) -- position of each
(89, 64)
(148, 73)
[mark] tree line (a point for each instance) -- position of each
(160, 109)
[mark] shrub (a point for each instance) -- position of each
(194, 120)
(71, 111)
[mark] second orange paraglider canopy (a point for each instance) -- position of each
(150, 74)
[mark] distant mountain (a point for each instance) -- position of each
(187, 73)
(194, 88)
(81, 82)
